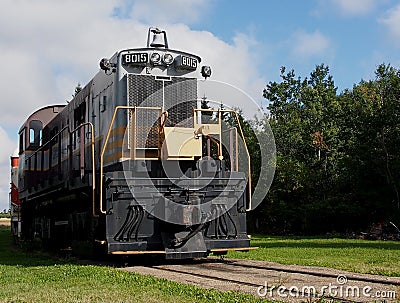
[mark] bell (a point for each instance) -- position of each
(158, 40)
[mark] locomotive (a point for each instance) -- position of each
(134, 163)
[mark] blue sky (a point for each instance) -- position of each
(352, 39)
(48, 46)
(351, 36)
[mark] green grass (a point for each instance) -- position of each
(39, 278)
(356, 255)
(27, 277)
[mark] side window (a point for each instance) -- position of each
(35, 133)
(53, 132)
(79, 118)
(79, 114)
(22, 141)
(104, 105)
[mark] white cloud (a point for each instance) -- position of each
(306, 45)
(171, 11)
(7, 149)
(355, 7)
(43, 40)
(392, 22)
(234, 63)
(48, 46)
(347, 8)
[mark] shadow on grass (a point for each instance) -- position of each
(24, 255)
(27, 255)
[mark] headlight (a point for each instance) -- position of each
(168, 59)
(155, 58)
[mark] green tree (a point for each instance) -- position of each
(338, 162)
(305, 116)
(78, 88)
(373, 137)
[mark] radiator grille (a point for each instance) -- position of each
(146, 131)
(180, 100)
(179, 94)
(144, 88)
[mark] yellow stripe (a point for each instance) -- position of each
(113, 157)
(230, 249)
(137, 252)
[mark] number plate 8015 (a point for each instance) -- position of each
(135, 59)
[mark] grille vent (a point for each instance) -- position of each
(180, 96)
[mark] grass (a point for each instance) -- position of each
(36, 278)
(356, 255)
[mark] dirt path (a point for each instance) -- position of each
(279, 282)
(5, 222)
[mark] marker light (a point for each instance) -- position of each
(168, 59)
(155, 58)
(206, 71)
(105, 64)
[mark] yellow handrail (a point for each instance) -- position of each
(106, 142)
(90, 124)
(219, 111)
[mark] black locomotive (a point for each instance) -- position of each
(134, 165)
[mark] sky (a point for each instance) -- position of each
(47, 47)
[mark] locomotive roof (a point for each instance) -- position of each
(43, 114)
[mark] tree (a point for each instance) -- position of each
(78, 88)
(338, 161)
(306, 118)
(375, 135)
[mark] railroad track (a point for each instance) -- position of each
(278, 282)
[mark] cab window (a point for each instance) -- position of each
(35, 133)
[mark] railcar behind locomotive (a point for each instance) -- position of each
(134, 165)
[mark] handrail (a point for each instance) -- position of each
(43, 145)
(219, 111)
(236, 147)
(214, 141)
(90, 124)
(249, 208)
(134, 108)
